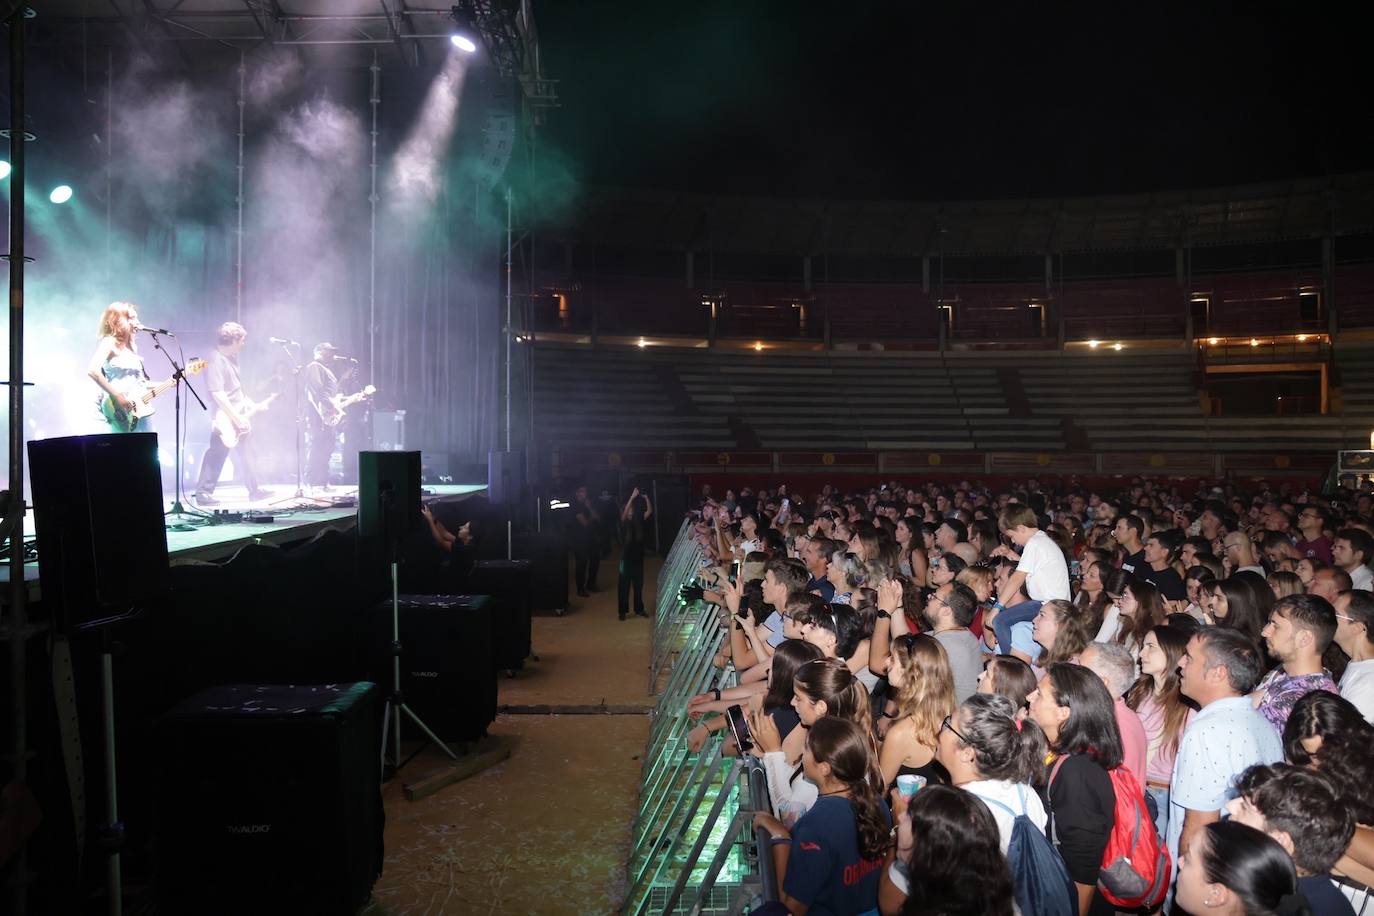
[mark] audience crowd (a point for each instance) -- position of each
(1046, 700)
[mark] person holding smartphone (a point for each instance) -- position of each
(633, 533)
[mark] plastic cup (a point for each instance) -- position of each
(909, 785)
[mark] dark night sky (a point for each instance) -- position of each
(951, 101)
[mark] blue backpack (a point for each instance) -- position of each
(1039, 878)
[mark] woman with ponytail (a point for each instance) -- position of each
(992, 752)
(1231, 869)
(832, 860)
(825, 687)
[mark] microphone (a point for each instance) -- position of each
(283, 340)
(139, 327)
(347, 359)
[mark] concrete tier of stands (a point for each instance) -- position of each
(657, 398)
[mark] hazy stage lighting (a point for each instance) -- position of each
(61, 194)
(4, 169)
(463, 43)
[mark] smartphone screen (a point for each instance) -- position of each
(739, 727)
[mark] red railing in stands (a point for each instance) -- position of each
(1257, 302)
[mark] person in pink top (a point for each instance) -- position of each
(1115, 666)
(1163, 712)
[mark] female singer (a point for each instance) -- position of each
(116, 362)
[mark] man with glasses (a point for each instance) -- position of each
(1354, 624)
(949, 612)
(1239, 554)
(1313, 523)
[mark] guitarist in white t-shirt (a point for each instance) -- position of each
(230, 424)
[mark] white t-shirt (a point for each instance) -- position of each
(1362, 578)
(1357, 686)
(999, 790)
(1047, 575)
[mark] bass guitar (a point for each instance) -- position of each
(224, 427)
(142, 393)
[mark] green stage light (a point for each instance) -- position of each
(4, 169)
(61, 194)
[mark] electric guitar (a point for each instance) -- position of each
(142, 393)
(223, 424)
(331, 410)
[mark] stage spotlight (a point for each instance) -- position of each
(61, 194)
(4, 169)
(464, 36)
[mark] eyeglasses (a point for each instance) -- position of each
(1345, 617)
(954, 731)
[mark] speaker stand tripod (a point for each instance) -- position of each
(111, 832)
(461, 765)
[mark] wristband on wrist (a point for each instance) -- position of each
(716, 691)
(998, 605)
(779, 840)
(884, 615)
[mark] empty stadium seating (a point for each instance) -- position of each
(1037, 401)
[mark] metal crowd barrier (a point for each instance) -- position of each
(693, 846)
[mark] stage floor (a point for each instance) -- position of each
(292, 520)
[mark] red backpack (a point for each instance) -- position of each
(1135, 865)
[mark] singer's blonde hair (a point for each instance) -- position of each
(114, 322)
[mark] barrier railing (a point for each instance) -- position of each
(693, 846)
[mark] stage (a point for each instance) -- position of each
(201, 539)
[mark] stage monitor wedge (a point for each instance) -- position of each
(102, 540)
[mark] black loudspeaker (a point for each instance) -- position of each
(505, 477)
(269, 800)
(448, 666)
(548, 556)
(388, 494)
(508, 583)
(102, 544)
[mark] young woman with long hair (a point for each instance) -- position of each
(1090, 585)
(1140, 608)
(820, 688)
(1078, 716)
(116, 366)
(949, 859)
(789, 656)
(912, 551)
(1007, 676)
(1196, 582)
(1231, 604)
(831, 860)
(1062, 632)
(923, 692)
(1156, 698)
(1104, 611)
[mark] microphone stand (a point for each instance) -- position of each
(296, 370)
(178, 510)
